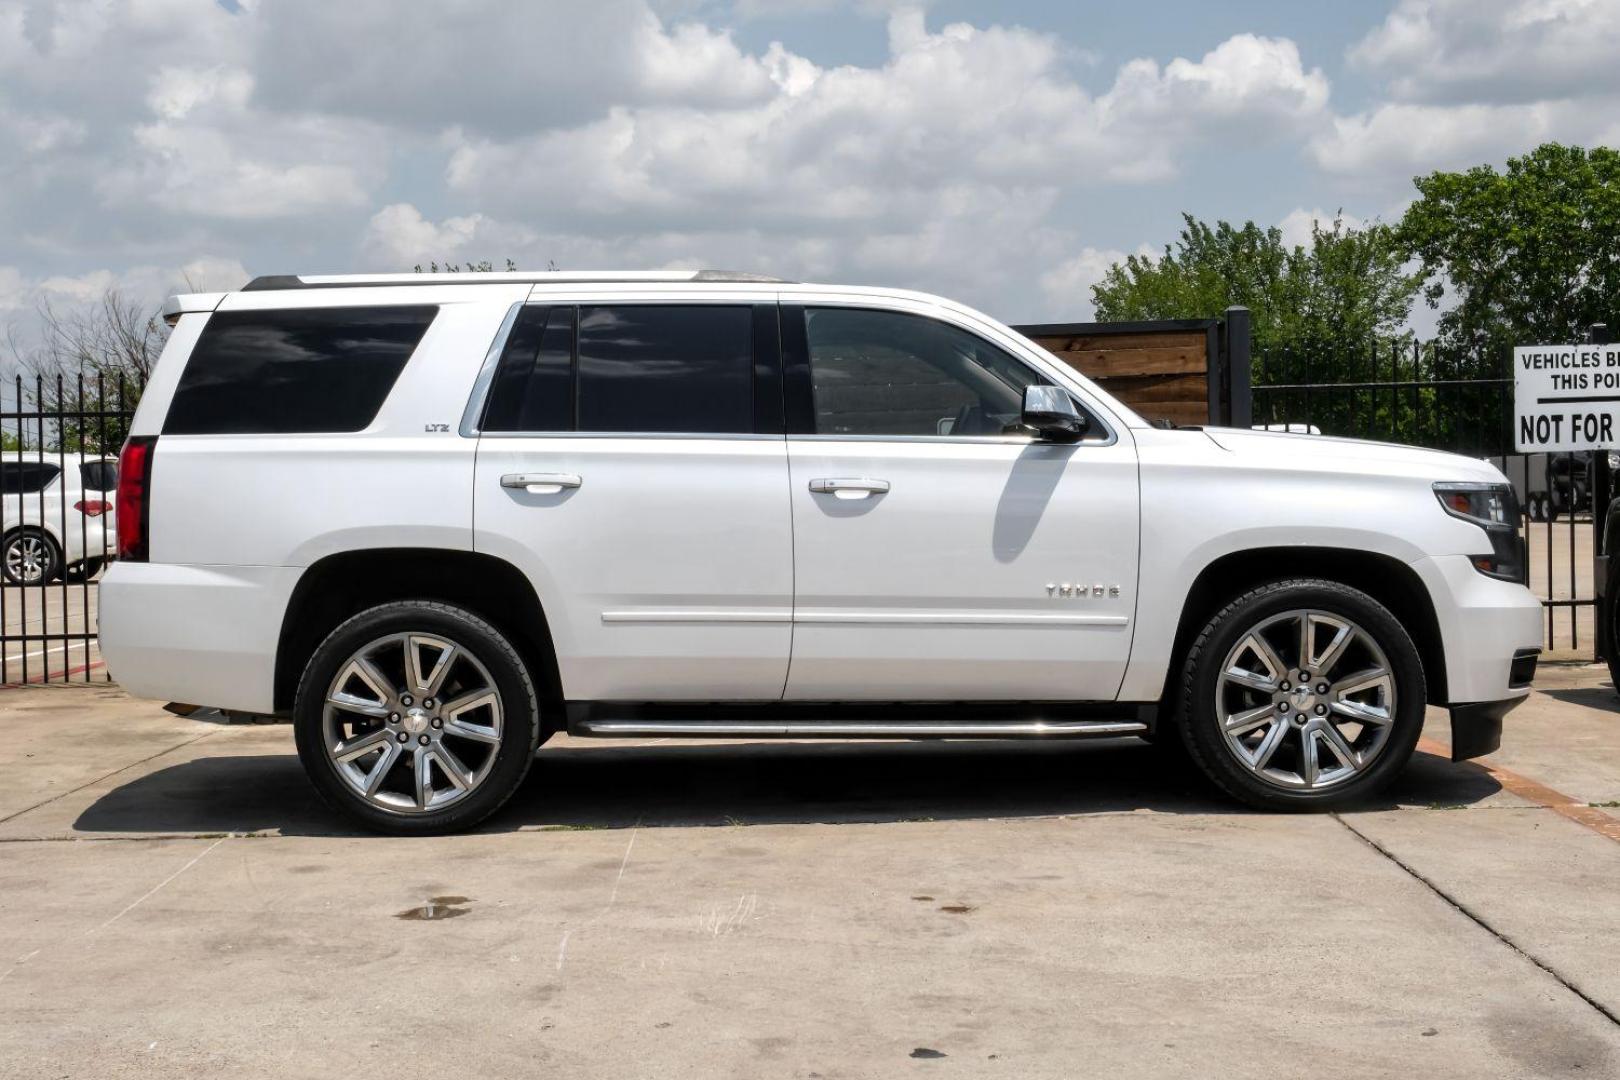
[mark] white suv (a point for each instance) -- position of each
(437, 518)
(56, 515)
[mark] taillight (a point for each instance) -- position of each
(92, 507)
(135, 498)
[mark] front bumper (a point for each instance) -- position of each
(1484, 625)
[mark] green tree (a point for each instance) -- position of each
(1346, 290)
(1529, 255)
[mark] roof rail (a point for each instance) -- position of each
(511, 277)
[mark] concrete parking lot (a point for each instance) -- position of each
(174, 902)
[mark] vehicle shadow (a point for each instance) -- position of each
(616, 786)
(1601, 697)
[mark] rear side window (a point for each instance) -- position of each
(534, 386)
(99, 475)
(627, 368)
(22, 477)
(294, 371)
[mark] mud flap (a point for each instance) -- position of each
(1476, 728)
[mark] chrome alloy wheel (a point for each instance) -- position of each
(26, 559)
(412, 723)
(1306, 700)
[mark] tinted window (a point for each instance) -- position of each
(887, 373)
(665, 368)
(534, 384)
(99, 475)
(302, 370)
(20, 477)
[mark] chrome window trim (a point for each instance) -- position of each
(731, 436)
(486, 374)
(1009, 440)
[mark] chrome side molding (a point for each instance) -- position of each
(858, 729)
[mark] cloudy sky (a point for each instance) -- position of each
(1003, 154)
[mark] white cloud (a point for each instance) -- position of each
(22, 294)
(1248, 77)
(1471, 81)
(1405, 139)
(1067, 286)
(14, 289)
(207, 273)
(1296, 227)
(312, 134)
(992, 112)
(1495, 51)
(768, 9)
(398, 236)
(276, 171)
(493, 66)
(177, 90)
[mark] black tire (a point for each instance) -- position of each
(83, 571)
(520, 734)
(1200, 725)
(1610, 610)
(11, 551)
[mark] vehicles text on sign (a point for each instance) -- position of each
(1566, 397)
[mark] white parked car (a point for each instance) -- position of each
(436, 518)
(56, 515)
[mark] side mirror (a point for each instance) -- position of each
(1051, 413)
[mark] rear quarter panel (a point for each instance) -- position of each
(289, 500)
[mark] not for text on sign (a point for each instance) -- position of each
(1566, 397)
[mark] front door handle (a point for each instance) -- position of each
(856, 487)
(541, 483)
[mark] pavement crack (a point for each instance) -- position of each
(99, 779)
(1478, 920)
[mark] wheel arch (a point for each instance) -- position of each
(35, 526)
(339, 586)
(1386, 579)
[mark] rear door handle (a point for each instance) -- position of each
(541, 483)
(850, 487)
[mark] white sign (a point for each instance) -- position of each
(1566, 397)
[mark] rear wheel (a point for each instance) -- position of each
(416, 717)
(29, 557)
(1302, 694)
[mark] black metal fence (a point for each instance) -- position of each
(59, 443)
(1420, 394)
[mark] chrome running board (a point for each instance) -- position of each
(857, 729)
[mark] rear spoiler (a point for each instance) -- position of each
(176, 306)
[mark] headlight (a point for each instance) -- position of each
(1495, 510)
(1484, 504)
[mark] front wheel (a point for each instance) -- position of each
(1302, 694)
(416, 717)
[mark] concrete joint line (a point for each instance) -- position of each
(1474, 917)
